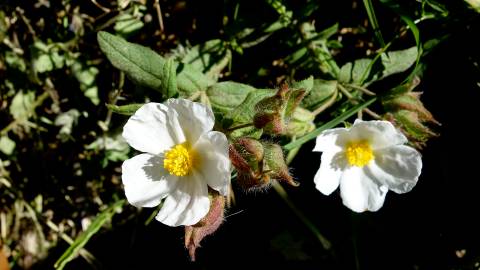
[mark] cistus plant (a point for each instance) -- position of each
(113, 110)
(365, 160)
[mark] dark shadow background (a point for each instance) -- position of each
(435, 226)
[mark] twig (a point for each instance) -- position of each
(195, 96)
(363, 89)
(360, 114)
(26, 21)
(100, 6)
(111, 20)
(372, 114)
(345, 91)
(366, 110)
(114, 99)
(327, 104)
(159, 15)
(12, 46)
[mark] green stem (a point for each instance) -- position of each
(363, 89)
(327, 104)
(283, 194)
(239, 127)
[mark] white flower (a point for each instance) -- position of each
(182, 158)
(366, 160)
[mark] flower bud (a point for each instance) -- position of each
(273, 113)
(208, 225)
(300, 123)
(246, 155)
(407, 112)
(275, 164)
(258, 164)
(412, 126)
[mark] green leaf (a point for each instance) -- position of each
(321, 91)
(331, 124)
(190, 81)
(398, 61)
(225, 96)
(129, 109)
(6, 145)
(475, 4)
(365, 71)
(145, 67)
(354, 72)
(141, 64)
(66, 121)
(85, 236)
(306, 84)
(210, 57)
(84, 75)
(58, 60)
(43, 63)
(245, 111)
(92, 94)
(169, 75)
(15, 61)
(22, 105)
(127, 24)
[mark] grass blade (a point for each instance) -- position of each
(328, 125)
(84, 237)
(373, 21)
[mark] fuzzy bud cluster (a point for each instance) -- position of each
(273, 113)
(258, 163)
(407, 112)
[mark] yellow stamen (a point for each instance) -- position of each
(359, 153)
(178, 160)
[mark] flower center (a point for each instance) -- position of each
(178, 160)
(359, 153)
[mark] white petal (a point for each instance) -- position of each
(153, 129)
(187, 204)
(380, 134)
(146, 182)
(359, 192)
(328, 175)
(195, 118)
(397, 167)
(213, 161)
(327, 140)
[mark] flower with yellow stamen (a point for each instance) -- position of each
(183, 157)
(366, 161)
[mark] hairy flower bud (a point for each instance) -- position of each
(258, 164)
(275, 164)
(273, 113)
(246, 154)
(208, 225)
(300, 123)
(407, 112)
